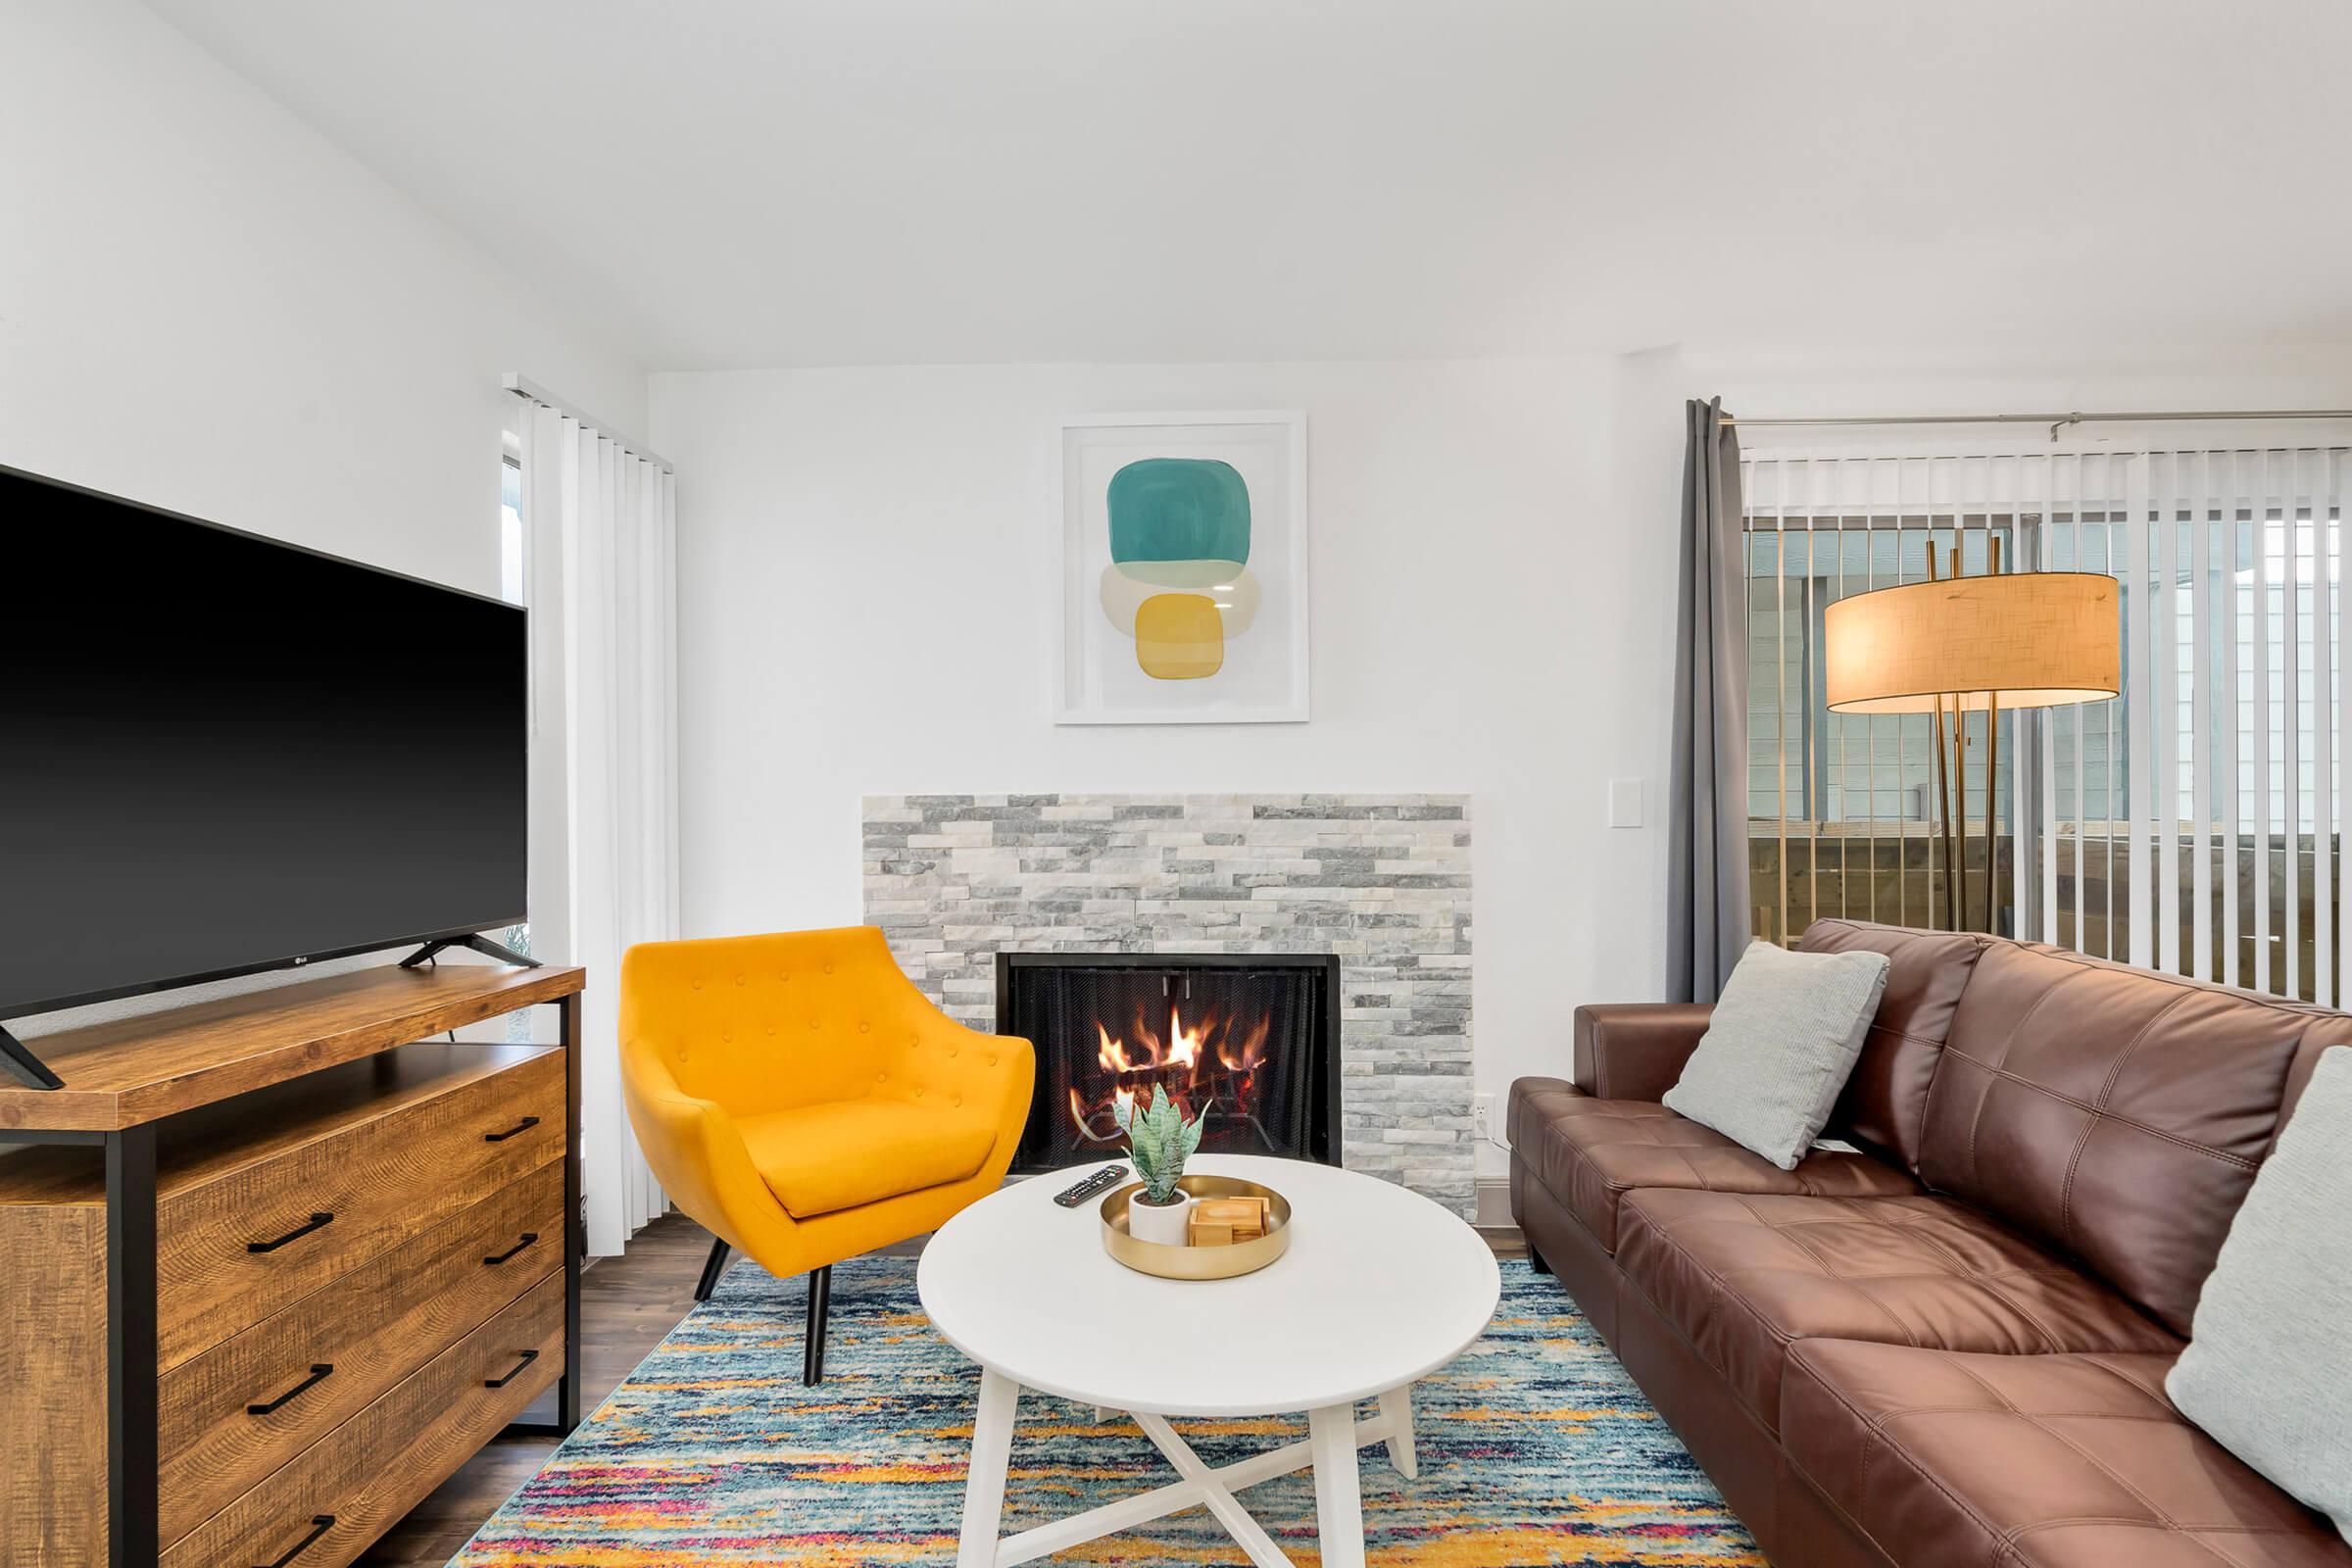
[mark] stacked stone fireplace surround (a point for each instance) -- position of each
(1381, 881)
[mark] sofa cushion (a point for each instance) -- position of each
(1956, 1460)
(1590, 1153)
(1886, 1097)
(2114, 1113)
(2266, 1370)
(1779, 1046)
(838, 1154)
(1741, 1277)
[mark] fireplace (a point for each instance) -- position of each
(1251, 1041)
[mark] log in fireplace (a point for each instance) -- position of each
(1251, 1041)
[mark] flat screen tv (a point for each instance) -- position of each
(220, 754)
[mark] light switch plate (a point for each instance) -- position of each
(1624, 803)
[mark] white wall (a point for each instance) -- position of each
(869, 578)
(205, 305)
(867, 585)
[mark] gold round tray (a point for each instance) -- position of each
(1199, 1262)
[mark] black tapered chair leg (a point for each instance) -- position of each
(712, 1268)
(812, 1354)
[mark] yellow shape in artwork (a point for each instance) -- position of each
(1179, 637)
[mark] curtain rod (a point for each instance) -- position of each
(532, 392)
(2059, 421)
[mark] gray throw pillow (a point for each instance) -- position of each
(1780, 1047)
(2268, 1370)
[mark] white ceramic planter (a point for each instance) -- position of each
(1168, 1226)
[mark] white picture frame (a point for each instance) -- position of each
(1102, 675)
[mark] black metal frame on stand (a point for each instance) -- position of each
(1328, 1042)
(575, 1235)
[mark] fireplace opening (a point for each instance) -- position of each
(1249, 1040)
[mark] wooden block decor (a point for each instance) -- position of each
(1223, 1221)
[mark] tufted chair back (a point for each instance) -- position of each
(716, 1035)
(767, 1023)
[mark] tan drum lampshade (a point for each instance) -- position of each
(2024, 639)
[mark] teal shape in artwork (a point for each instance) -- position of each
(1178, 508)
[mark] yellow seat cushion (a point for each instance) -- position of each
(841, 1153)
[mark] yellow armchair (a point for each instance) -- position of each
(798, 1097)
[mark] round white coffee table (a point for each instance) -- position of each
(1379, 1287)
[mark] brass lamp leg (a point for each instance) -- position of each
(1944, 827)
(1948, 763)
(1992, 758)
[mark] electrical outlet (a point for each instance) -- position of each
(1485, 1122)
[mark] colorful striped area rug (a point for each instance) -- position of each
(1535, 1448)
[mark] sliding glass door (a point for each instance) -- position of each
(2193, 824)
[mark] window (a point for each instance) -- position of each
(2191, 825)
(1842, 807)
(510, 588)
(509, 531)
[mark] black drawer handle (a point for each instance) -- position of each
(318, 1221)
(523, 1126)
(320, 1524)
(319, 1374)
(528, 1237)
(528, 1357)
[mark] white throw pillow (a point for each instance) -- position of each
(2268, 1370)
(1780, 1047)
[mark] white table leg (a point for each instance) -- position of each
(992, 1450)
(1214, 1497)
(1339, 1504)
(1398, 1406)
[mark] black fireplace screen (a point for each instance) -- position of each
(1248, 1043)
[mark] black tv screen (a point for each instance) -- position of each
(221, 753)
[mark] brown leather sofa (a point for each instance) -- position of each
(1947, 1348)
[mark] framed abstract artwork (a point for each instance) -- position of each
(1184, 568)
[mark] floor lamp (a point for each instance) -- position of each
(1953, 646)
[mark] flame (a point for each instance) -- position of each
(1185, 1051)
(1254, 1050)
(1207, 1061)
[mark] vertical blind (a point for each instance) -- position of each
(2193, 824)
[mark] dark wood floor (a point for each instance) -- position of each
(628, 1304)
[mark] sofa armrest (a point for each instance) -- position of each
(1636, 1049)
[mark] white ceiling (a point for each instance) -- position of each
(756, 183)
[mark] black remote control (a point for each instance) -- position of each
(1100, 1181)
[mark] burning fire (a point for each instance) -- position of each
(1200, 1063)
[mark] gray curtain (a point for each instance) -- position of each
(1706, 791)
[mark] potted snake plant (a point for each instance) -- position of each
(1159, 1140)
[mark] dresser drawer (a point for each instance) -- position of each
(233, 1414)
(342, 1491)
(243, 1232)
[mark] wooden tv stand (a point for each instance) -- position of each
(277, 1264)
